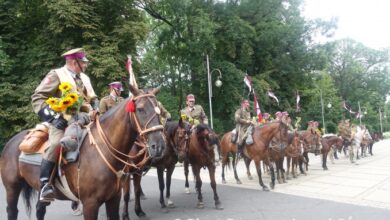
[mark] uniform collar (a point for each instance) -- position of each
(114, 98)
(73, 74)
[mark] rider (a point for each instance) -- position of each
(243, 121)
(192, 113)
(114, 98)
(73, 73)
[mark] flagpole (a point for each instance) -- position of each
(322, 111)
(210, 91)
(360, 115)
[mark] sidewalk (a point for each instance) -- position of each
(366, 184)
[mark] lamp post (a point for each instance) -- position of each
(329, 105)
(218, 83)
(380, 120)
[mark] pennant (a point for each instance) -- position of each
(129, 68)
(248, 82)
(298, 108)
(348, 109)
(257, 109)
(272, 95)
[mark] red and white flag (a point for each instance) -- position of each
(348, 109)
(129, 68)
(298, 109)
(272, 95)
(248, 82)
(257, 109)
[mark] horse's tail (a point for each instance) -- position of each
(27, 194)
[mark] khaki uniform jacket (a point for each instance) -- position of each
(108, 102)
(242, 118)
(196, 113)
(345, 131)
(49, 88)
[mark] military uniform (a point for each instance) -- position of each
(164, 114)
(195, 114)
(243, 120)
(108, 102)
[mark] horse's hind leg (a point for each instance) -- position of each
(137, 191)
(41, 210)
(213, 184)
(13, 191)
(112, 206)
(160, 175)
(170, 170)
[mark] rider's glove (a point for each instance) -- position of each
(46, 114)
(60, 122)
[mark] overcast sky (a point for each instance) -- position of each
(366, 21)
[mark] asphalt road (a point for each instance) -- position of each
(240, 202)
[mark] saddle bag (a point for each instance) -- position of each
(33, 141)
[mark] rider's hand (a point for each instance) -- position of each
(60, 122)
(46, 114)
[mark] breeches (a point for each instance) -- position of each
(55, 135)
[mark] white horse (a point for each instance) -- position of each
(357, 139)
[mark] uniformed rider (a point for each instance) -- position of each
(192, 113)
(72, 72)
(243, 121)
(114, 98)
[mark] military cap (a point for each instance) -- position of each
(116, 85)
(190, 97)
(285, 113)
(278, 113)
(77, 53)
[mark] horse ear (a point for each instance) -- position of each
(156, 90)
(134, 90)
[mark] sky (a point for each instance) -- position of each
(366, 21)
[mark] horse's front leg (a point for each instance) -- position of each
(160, 175)
(289, 160)
(13, 191)
(324, 158)
(137, 192)
(213, 184)
(225, 159)
(168, 183)
(198, 185)
(272, 171)
(258, 169)
(187, 185)
(238, 181)
(126, 197)
(281, 161)
(112, 206)
(91, 208)
(40, 210)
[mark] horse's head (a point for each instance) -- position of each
(206, 136)
(282, 133)
(146, 120)
(180, 137)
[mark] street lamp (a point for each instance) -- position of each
(329, 105)
(218, 83)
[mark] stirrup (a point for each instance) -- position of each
(46, 194)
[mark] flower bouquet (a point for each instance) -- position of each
(69, 102)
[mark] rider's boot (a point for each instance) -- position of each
(47, 191)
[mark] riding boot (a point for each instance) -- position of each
(335, 155)
(240, 150)
(47, 191)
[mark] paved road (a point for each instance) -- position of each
(345, 191)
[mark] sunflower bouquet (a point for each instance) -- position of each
(69, 103)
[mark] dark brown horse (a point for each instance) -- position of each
(177, 137)
(200, 153)
(259, 150)
(228, 148)
(95, 177)
(328, 143)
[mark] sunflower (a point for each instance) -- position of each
(58, 108)
(66, 102)
(52, 101)
(73, 96)
(65, 86)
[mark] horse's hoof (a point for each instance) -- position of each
(223, 181)
(272, 185)
(125, 217)
(250, 177)
(164, 210)
(143, 197)
(200, 205)
(325, 168)
(170, 204)
(239, 182)
(288, 178)
(140, 213)
(218, 206)
(284, 181)
(280, 181)
(265, 189)
(187, 190)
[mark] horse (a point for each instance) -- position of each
(328, 143)
(177, 135)
(293, 152)
(95, 178)
(200, 153)
(228, 147)
(311, 144)
(259, 149)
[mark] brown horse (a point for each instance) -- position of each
(177, 136)
(95, 177)
(200, 153)
(328, 143)
(311, 144)
(259, 150)
(293, 153)
(227, 147)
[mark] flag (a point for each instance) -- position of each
(248, 82)
(297, 101)
(257, 109)
(272, 95)
(129, 68)
(348, 109)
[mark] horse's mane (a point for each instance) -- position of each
(290, 137)
(170, 127)
(201, 127)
